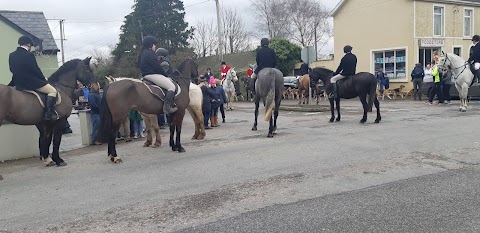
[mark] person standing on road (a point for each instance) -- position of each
(427, 79)
(223, 100)
(447, 81)
(417, 79)
(216, 101)
(208, 95)
(437, 88)
(94, 99)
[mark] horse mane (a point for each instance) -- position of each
(65, 68)
(321, 73)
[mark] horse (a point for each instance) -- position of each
(462, 74)
(303, 89)
(126, 94)
(194, 108)
(23, 108)
(228, 84)
(269, 87)
(250, 91)
(360, 84)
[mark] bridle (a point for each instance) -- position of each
(229, 78)
(464, 66)
(63, 86)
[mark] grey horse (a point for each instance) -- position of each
(269, 88)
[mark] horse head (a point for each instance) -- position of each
(188, 69)
(320, 73)
(72, 71)
(232, 74)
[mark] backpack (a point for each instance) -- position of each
(417, 73)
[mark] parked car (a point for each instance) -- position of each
(473, 91)
(290, 81)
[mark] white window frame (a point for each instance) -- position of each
(433, 20)
(472, 22)
(458, 47)
(372, 63)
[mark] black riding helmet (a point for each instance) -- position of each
(264, 42)
(347, 49)
(161, 52)
(476, 38)
(24, 40)
(149, 41)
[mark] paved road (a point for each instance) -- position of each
(236, 174)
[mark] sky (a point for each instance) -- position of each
(95, 24)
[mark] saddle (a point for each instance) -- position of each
(158, 91)
(42, 98)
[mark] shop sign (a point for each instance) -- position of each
(431, 42)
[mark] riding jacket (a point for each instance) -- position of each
(348, 65)
(149, 63)
(166, 65)
(26, 73)
(224, 71)
(265, 58)
(475, 54)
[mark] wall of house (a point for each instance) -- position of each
(369, 25)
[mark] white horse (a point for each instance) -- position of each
(229, 87)
(462, 75)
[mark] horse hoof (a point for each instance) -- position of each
(156, 145)
(201, 137)
(181, 149)
(62, 164)
(115, 159)
(174, 148)
(254, 128)
(362, 121)
(337, 120)
(146, 145)
(270, 135)
(331, 120)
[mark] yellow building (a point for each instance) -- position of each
(395, 35)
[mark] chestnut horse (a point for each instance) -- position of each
(303, 89)
(22, 108)
(126, 94)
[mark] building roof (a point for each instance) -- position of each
(34, 23)
(460, 2)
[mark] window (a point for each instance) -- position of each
(457, 51)
(392, 62)
(438, 20)
(468, 23)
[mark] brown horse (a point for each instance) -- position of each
(24, 108)
(303, 90)
(126, 94)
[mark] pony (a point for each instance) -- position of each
(361, 85)
(462, 74)
(123, 95)
(228, 84)
(303, 89)
(23, 108)
(269, 87)
(194, 108)
(250, 91)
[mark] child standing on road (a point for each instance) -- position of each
(94, 99)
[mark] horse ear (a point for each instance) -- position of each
(87, 60)
(443, 52)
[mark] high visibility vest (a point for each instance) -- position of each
(436, 75)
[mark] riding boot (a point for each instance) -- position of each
(50, 109)
(169, 105)
(333, 93)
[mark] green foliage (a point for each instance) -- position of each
(165, 20)
(287, 53)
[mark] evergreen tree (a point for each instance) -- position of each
(287, 54)
(163, 19)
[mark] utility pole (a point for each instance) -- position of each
(141, 28)
(219, 29)
(62, 38)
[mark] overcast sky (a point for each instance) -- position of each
(95, 24)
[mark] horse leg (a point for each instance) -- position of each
(270, 128)
(337, 102)
(156, 129)
(377, 106)
(257, 105)
(275, 114)
(177, 140)
(332, 109)
(363, 99)
(148, 126)
(172, 134)
(57, 139)
(42, 144)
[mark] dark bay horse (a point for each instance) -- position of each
(24, 108)
(126, 94)
(361, 85)
(269, 88)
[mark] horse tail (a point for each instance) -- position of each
(372, 94)
(270, 99)
(105, 128)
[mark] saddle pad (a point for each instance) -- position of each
(160, 92)
(41, 97)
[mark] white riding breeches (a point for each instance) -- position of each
(49, 90)
(161, 81)
(337, 77)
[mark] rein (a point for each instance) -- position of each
(464, 67)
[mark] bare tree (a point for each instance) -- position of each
(236, 37)
(272, 17)
(102, 57)
(309, 22)
(204, 38)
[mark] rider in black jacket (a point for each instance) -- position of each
(266, 58)
(474, 58)
(153, 72)
(347, 67)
